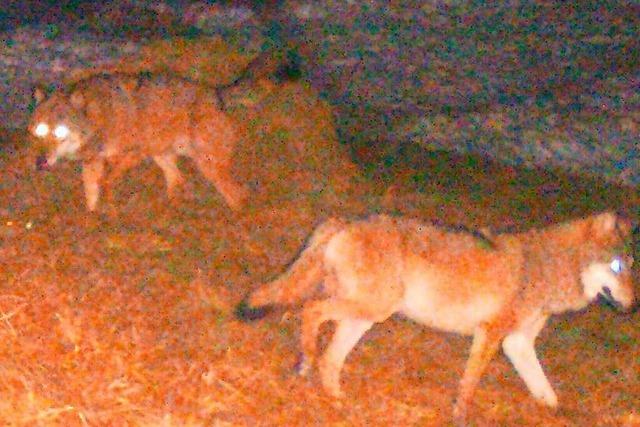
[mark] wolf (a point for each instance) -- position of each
(501, 288)
(113, 121)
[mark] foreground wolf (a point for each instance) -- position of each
(500, 290)
(114, 121)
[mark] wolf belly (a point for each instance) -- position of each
(426, 304)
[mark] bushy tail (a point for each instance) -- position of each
(275, 64)
(299, 282)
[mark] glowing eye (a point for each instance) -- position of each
(61, 132)
(616, 266)
(41, 130)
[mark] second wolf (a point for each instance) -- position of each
(112, 121)
(500, 290)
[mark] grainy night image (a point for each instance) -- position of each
(344, 213)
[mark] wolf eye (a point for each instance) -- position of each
(61, 132)
(616, 266)
(41, 130)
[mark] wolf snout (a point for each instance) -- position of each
(42, 163)
(626, 305)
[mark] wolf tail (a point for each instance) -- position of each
(299, 282)
(272, 64)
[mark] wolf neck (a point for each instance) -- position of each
(553, 261)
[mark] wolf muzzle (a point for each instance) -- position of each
(605, 297)
(41, 163)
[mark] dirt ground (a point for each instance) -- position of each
(128, 321)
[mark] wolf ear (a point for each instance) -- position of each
(39, 94)
(610, 223)
(77, 99)
(604, 223)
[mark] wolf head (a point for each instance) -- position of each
(608, 275)
(60, 124)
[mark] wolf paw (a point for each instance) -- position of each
(549, 399)
(336, 393)
(331, 385)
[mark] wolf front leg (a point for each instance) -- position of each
(213, 152)
(519, 348)
(218, 171)
(92, 173)
(486, 341)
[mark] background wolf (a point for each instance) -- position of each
(117, 119)
(120, 119)
(500, 293)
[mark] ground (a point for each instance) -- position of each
(129, 320)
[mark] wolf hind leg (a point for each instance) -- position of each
(218, 171)
(353, 320)
(519, 348)
(348, 333)
(168, 162)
